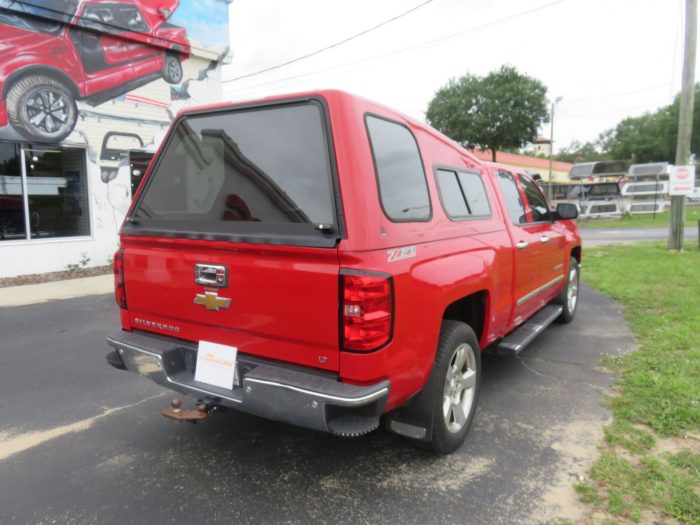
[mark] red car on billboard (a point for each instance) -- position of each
(53, 53)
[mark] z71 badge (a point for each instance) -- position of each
(398, 254)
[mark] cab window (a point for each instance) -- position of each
(511, 196)
(131, 19)
(536, 203)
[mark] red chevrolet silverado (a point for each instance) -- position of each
(322, 260)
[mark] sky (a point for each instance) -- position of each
(607, 59)
(205, 21)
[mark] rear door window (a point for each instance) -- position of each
(403, 188)
(261, 173)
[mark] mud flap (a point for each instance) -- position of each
(415, 418)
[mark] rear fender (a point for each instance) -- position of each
(414, 419)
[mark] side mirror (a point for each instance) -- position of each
(566, 211)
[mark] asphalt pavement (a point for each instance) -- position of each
(600, 236)
(81, 442)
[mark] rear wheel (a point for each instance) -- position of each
(41, 108)
(568, 297)
(457, 372)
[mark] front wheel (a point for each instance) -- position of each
(568, 297)
(172, 69)
(457, 370)
(41, 108)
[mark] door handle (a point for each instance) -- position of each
(522, 245)
(544, 239)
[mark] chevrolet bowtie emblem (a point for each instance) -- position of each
(212, 301)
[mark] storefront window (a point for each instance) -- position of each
(56, 186)
(11, 195)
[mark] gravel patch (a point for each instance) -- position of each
(54, 276)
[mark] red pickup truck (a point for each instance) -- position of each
(322, 260)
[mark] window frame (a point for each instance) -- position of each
(520, 194)
(28, 239)
(528, 209)
(376, 170)
(120, 16)
(285, 238)
(457, 171)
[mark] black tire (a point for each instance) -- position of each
(449, 432)
(172, 69)
(573, 276)
(41, 108)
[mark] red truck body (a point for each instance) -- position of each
(289, 302)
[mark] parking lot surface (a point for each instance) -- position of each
(81, 442)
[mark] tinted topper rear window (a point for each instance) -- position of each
(260, 173)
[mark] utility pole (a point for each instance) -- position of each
(685, 121)
(551, 147)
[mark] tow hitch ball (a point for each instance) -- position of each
(204, 408)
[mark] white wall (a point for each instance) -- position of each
(108, 202)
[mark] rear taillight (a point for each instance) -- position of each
(119, 290)
(367, 310)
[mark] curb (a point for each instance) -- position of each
(56, 290)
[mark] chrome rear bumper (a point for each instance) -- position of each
(292, 394)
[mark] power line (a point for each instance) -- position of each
(614, 111)
(429, 43)
(614, 95)
(336, 44)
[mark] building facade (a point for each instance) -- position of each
(88, 89)
(532, 165)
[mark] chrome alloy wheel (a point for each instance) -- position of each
(460, 383)
(572, 289)
(47, 110)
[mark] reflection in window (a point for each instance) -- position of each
(11, 196)
(57, 192)
(537, 205)
(451, 195)
(268, 166)
(475, 193)
(33, 16)
(511, 195)
(131, 19)
(56, 186)
(402, 184)
(463, 194)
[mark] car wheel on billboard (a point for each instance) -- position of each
(172, 69)
(41, 108)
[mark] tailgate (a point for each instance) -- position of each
(249, 194)
(277, 302)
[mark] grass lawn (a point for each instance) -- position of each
(692, 216)
(649, 468)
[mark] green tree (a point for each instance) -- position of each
(647, 138)
(504, 109)
(650, 137)
(582, 152)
